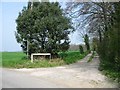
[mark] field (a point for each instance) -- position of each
(18, 60)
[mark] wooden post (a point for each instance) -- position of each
(27, 49)
(31, 58)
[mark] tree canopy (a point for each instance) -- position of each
(44, 26)
(102, 21)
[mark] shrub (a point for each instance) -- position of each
(81, 49)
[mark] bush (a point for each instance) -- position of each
(81, 49)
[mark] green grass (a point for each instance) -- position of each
(12, 59)
(18, 60)
(72, 56)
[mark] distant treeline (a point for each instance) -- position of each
(74, 47)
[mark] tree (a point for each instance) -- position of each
(94, 44)
(45, 27)
(86, 38)
(88, 13)
(81, 49)
(102, 20)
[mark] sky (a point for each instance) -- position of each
(8, 25)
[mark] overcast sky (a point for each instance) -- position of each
(9, 14)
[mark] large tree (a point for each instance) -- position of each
(102, 20)
(44, 26)
(88, 13)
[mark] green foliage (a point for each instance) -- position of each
(45, 27)
(81, 49)
(86, 40)
(108, 69)
(94, 44)
(62, 55)
(109, 48)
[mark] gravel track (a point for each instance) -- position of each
(78, 75)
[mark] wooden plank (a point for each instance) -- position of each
(36, 54)
(41, 53)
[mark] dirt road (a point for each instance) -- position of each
(78, 75)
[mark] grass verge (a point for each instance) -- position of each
(72, 56)
(91, 57)
(109, 70)
(18, 60)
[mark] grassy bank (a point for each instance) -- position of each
(72, 56)
(109, 70)
(18, 60)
